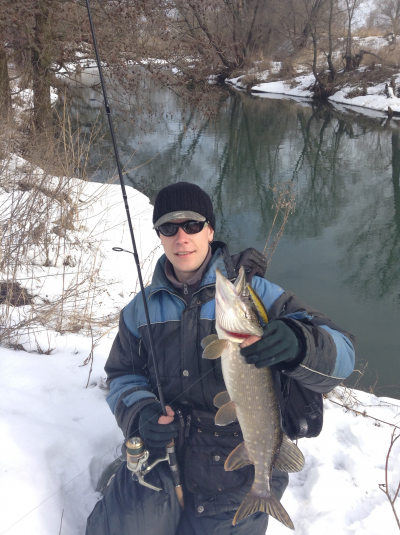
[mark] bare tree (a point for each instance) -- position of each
(5, 94)
(42, 37)
(388, 14)
(184, 45)
(352, 6)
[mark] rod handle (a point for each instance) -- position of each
(175, 472)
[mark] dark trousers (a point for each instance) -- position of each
(128, 508)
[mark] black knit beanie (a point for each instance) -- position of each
(183, 196)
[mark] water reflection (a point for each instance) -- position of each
(372, 241)
(341, 249)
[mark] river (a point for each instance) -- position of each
(341, 248)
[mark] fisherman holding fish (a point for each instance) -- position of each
(225, 338)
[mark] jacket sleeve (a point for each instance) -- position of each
(127, 379)
(328, 354)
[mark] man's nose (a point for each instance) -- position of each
(181, 236)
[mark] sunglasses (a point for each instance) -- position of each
(190, 227)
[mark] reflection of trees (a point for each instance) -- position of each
(372, 241)
(256, 143)
(322, 188)
(248, 167)
(327, 165)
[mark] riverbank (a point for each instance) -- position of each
(58, 433)
(378, 97)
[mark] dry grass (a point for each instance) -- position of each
(390, 55)
(385, 487)
(365, 31)
(41, 236)
(250, 80)
(285, 204)
(347, 398)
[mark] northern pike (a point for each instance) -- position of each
(250, 398)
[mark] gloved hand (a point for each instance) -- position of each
(157, 435)
(278, 343)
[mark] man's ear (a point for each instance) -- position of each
(211, 234)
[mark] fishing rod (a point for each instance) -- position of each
(139, 469)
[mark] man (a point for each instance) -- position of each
(301, 344)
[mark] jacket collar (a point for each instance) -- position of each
(160, 281)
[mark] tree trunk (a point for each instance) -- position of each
(5, 93)
(349, 40)
(331, 67)
(348, 57)
(309, 24)
(250, 34)
(41, 64)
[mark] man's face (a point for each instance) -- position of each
(186, 252)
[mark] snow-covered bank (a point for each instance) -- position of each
(375, 99)
(58, 435)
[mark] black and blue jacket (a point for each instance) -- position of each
(190, 382)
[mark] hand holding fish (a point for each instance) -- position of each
(277, 344)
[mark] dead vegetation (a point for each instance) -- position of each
(49, 262)
(284, 203)
(385, 487)
(347, 398)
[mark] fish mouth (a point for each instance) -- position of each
(239, 336)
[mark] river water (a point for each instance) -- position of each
(341, 247)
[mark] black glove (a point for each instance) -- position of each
(278, 343)
(154, 434)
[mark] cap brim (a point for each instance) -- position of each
(181, 214)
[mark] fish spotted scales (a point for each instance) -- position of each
(250, 398)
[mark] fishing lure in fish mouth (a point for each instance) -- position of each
(250, 398)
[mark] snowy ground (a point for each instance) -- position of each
(58, 435)
(375, 100)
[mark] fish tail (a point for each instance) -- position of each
(266, 504)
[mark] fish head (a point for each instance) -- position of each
(235, 316)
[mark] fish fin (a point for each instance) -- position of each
(221, 399)
(215, 349)
(237, 458)
(266, 504)
(226, 414)
(290, 458)
(240, 282)
(208, 340)
(261, 309)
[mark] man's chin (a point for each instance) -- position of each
(187, 266)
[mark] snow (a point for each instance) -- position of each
(373, 42)
(303, 82)
(375, 99)
(58, 436)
